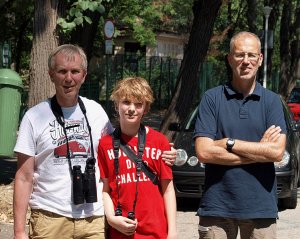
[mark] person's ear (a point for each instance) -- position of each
(50, 74)
(116, 107)
(229, 59)
(146, 110)
(260, 60)
(84, 76)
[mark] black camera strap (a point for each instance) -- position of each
(57, 111)
(136, 159)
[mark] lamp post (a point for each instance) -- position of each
(267, 11)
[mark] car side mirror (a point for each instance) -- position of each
(174, 127)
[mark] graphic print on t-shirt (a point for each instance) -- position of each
(78, 140)
(129, 174)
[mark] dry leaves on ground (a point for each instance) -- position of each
(6, 203)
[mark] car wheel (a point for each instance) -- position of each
(291, 202)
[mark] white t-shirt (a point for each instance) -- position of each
(40, 135)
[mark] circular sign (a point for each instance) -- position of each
(109, 29)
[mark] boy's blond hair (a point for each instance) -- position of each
(133, 88)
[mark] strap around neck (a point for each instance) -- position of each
(57, 111)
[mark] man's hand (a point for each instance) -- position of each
(169, 156)
(21, 236)
(272, 134)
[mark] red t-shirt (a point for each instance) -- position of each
(150, 210)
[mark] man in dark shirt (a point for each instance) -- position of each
(240, 132)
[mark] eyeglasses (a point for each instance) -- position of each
(241, 56)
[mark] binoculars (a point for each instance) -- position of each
(130, 215)
(84, 184)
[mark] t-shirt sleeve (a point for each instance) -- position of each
(102, 159)
(205, 125)
(275, 114)
(26, 141)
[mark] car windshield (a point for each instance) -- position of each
(295, 96)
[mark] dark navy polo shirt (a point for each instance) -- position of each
(245, 191)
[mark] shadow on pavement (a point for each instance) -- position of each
(8, 170)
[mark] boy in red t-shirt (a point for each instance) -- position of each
(151, 207)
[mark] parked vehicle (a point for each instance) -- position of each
(189, 173)
(294, 103)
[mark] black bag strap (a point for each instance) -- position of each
(118, 143)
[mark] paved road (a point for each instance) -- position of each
(288, 224)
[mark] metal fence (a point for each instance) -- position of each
(161, 73)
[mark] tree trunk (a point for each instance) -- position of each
(85, 36)
(44, 41)
(205, 13)
(289, 59)
(273, 19)
(252, 15)
(295, 46)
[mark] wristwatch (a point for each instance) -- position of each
(229, 144)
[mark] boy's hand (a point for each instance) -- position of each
(124, 225)
(169, 156)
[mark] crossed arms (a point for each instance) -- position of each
(270, 149)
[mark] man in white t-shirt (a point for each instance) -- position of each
(57, 147)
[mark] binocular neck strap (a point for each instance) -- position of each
(83, 109)
(57, 111)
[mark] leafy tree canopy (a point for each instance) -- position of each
(76, 13)
(144, 17)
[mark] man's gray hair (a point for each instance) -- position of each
(69, 50)
(244, 34)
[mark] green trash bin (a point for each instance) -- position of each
(10, 101)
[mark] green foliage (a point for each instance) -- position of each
(178, 16)
(16, 26)
(12, 15)
(139, 16)
(143, 18)
(76, 14)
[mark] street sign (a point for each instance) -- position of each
(109, 29)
